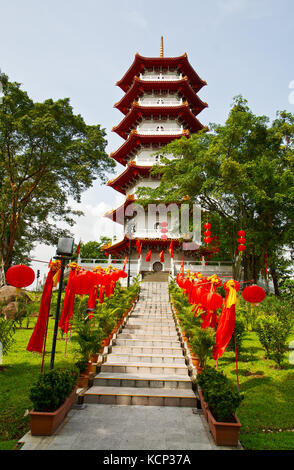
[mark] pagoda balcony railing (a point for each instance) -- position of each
(160, 103)
(151, 233)
(154, 131)
(160, 77)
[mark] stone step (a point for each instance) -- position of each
(140, 396)
(145, 368)
(106, 379)
(158, 323)
(162, 343)
(146, 327)
(131, 334)
(147, 350)
(122, 358)
(151, 316)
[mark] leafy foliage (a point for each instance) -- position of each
(202, 344)
(273, 334)
(219, 394)
(47, 154)
(7, 330)
(52, 388)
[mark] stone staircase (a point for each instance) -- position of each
(146, 365)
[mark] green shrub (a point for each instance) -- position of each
(89, 338)
(240, 334)
(218, 393)
(210, 377)
(223, 402)
(202, 344)
(273, 335)
(52, 389)
(7, 331)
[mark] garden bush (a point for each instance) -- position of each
(202, 344)
(219, 394)
(52, 388)
(273, 334)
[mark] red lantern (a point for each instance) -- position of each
(203, 300)
(207, 233)
(254, 294)
(214, 301)
(241, 247)
(207, 225)
(163, 236)
(164, 230)
(20, 276)
(241, 233)
(241, 240)
(198, 292)
(164, 224)
(207, 240)
(83, 282)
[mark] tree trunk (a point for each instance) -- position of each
(275, 281)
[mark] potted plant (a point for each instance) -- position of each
(52, 396)
(89, 338)
(223, 422)
(209, 377)
(219, 404)
(202, 344)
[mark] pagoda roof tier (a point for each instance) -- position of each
(118, 214)
(130, 175)
(137, 112)
(181, 86)
(135, 141)
(122, 247)
(181, 63)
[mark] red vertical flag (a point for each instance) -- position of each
(171, 250)
(162, 256)
(148, 256)
(182, 267)
(78, 248)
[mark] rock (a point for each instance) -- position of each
(8, 294)
(10, 311)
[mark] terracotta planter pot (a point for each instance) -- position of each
(204, 405)
(224, 434)
(94, 358)
(83, 381)
(45, 423)
(195, 361)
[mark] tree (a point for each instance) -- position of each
(242, 173)
(92, 249)
(47, 154)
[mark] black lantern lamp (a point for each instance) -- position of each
(64, 252)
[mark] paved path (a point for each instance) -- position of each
(145, 372)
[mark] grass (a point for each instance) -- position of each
(267, 411)
(22, 369)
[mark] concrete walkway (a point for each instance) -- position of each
(147, 374)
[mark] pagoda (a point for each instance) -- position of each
(160, 104)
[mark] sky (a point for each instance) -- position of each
(75, 49)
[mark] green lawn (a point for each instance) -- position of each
(267, 411)
(22, 369)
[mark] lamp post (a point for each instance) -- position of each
(130, 231)
(64, 252)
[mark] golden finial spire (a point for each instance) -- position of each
(161, 46)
